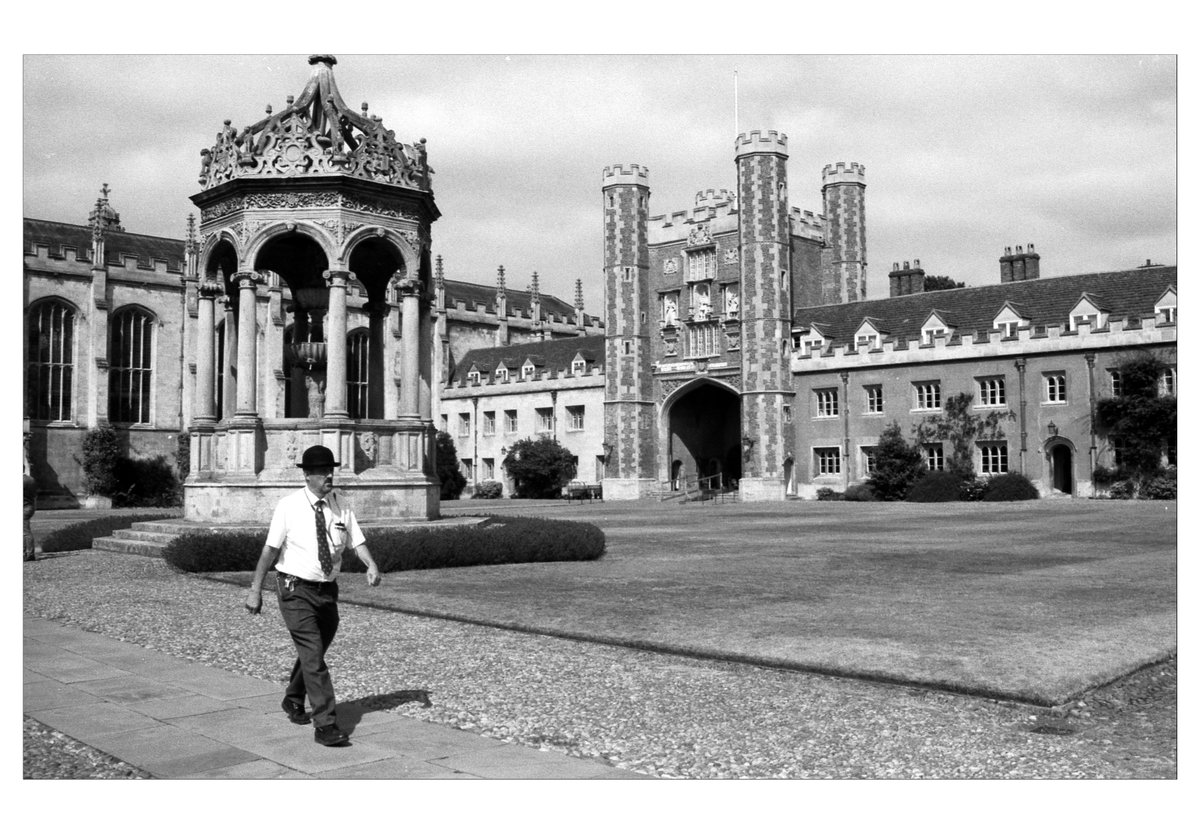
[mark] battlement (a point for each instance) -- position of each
(713, 197)
(842, 173)
(1052, 338)
(632, 174)
(760, 141)
(807, 224)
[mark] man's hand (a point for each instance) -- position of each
(254, 601)
(373, 577)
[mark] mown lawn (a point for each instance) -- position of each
(1036, 601)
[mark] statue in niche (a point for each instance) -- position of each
(314, 381)
(670, 309)
(731, 301)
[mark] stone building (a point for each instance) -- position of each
(737, 348)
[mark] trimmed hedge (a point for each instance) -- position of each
(496, 541)
(1012, 486)
(859, 492)
(79, 536)
(489, 489)
(933, 487)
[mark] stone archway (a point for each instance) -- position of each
(1062, 468)
(703, 424)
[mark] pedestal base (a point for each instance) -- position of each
(628, 489)
(253, 502)
(761, 489)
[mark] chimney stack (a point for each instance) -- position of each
(908, 280)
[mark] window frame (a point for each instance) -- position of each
(827, 402)
(934, 453)
(995, 463)
(142, 375)
(992, 391)
(52, 382)
(874, 398)
(920, 395)
(575, 417)
(1054, 388)
(510, 421)
(827, 461)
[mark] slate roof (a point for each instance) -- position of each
(472, 294)
(553, 355)
(117, 245)
(1044, 301)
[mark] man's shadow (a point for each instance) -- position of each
(349, 713)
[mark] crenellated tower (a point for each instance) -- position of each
(629, 410)
(765, 243)
(843, 191)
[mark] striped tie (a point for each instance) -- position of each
(323, 540)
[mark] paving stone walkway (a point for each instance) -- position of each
(181, 720)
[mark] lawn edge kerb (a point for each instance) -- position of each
(697, 653)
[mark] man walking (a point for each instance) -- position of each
(308, 532)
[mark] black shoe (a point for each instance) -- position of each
(296, 714)
(331, 736)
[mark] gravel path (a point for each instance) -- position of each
(655, 714)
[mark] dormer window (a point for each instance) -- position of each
(1010, 329)
(1166, 308)
(578, 365)
(1079, 321)
(1008, 321)
(473, 377)
(501, 374)
(934, 327)
(812, 346)
(1088, 310)
(528, 370)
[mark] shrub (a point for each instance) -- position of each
(1163, 486)
(451, 479)
(827, 494)
(146, 483)
(1102, 476)
(183, 455)
(1122, 490)
(540, 468)
(1012, 486)
(898, 465)
(971, 489)
(859, 492)
(489, 489)
(101, 451)
(495, 541)
(79, 536)
(937, 486)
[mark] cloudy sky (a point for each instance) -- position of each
(964, 155)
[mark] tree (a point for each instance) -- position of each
(961, 427)
(898, 464)
(1142, 421)
(539, 468)
(452, 480)
(941, 282)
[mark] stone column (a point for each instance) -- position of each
(247, 365)
(376, 388)
(410, 338)
(335, 345)
(206, 361)
(229, 360)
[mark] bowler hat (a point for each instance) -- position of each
(317, 456)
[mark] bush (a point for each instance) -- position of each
(827, 494)
(1162, 487)
(971, 489)
(1122, 490)
(101, 451)
(540, 468)
(859, 492)
(449, 476)
(79, 536)
(489, 489)
(898, 465)
(146, 483)
(936, 486)
(495, 541)
(1012, 486)
(183, 455)
(1102, 476)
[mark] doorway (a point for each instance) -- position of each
(1061, 469)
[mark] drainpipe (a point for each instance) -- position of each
(1020, 363)
(846, 425)
(1090, 358)
(475, 442)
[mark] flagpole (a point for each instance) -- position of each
(735, 106)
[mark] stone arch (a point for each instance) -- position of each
(1060, 456)
(375, 255)
(270, 233)
(409, 255)
(700, 423)
(221, 253)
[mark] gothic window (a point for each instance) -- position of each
(928, 395)
(991, 392)
(51, 357)
(1055, 386)
(935, 459)
(357, 373)
(827, 402)
(827, 460)
(993, 458)
(874, 395)
(703, 340)
(130, 366)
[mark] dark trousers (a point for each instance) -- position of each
(311, 615)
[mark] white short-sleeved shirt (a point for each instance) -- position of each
(294, 533)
